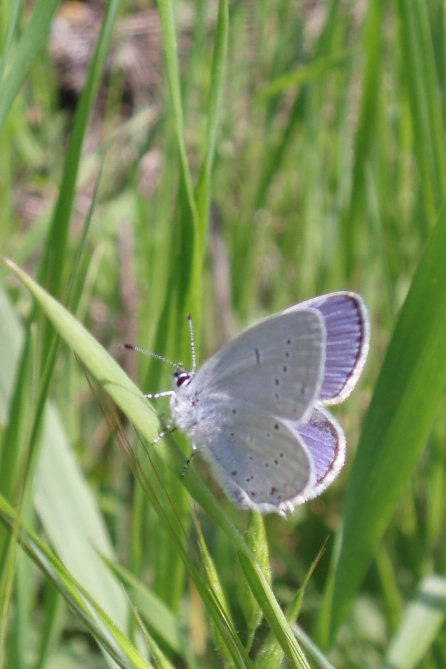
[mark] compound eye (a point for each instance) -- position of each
(181, 377)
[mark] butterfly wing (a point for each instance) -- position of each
(277, 365)
(268, 464)
(347, 342)
(256, 411)
(325, 440)
(262, 462)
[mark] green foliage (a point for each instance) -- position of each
(284, 150)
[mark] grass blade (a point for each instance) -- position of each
(397, 425)
(132, 402)
(31, 42)
(96, 620)
(420, 625)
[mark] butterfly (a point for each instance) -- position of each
(257, 409)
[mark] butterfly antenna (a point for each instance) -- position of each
(192, 341)
(137, 349)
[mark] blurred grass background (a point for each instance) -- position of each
(227, 160)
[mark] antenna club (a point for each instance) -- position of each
(137, 349)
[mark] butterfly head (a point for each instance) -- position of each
(181, 377)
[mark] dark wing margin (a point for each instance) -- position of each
(347, 344)
(270, 465)
(325, 440)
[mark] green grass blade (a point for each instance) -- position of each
(11, 341)
(167, 16)
(420, 625)
(72, 520)
(366, 129)
(60, 490)
(129, 398)
(30, 44)
(215, 586)
(256, 540)
(13, 20)
(215, 99)
(131, 401)
(398, 422)
(316, 69)
(189, 243)
(72, 542)
(54, 258)
(424, 94)
(96, 620)
(318, 656)
(52, 625)
(273, 613)
(171, 520)
(152, 609)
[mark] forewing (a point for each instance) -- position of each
(261, 462)
(277, 365)
(347, 344)
(325, 441)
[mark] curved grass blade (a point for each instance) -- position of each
(171, 521)
(65, 504)
(97, 621)
(151, 608)
(132, 402)
(398, 422)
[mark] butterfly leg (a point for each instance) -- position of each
(155, 396)
(188, 461)
(164, 431)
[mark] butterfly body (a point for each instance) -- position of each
(256, 408)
